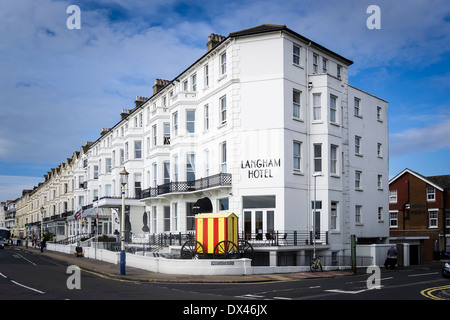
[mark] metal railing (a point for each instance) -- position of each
(285, 238)
(276, 238)
(221, 179)
(154, 243)
(75, 239)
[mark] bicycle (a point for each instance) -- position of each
(316, 264)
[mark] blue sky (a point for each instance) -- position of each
(59, 87)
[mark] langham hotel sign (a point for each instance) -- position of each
(260, 168)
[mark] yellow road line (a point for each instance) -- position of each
(429, 293)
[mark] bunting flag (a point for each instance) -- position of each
(78, 214)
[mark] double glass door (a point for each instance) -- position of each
(258, 223)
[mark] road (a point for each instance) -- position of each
(29, 276)
(394, 285)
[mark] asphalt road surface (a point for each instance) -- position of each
(30, 276)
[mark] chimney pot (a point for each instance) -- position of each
(159, 84)
(213, 40)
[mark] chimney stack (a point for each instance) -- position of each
(104, 130)
(213, 40)
(159, 84)
(124, 114)
(139, 101)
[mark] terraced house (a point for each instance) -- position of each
(265, 125)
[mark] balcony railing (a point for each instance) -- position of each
(218, 180)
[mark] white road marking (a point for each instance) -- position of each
(26, 287)
(34, 264)
(422, 274)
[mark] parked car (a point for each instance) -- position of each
(446, 270)
(2, 243)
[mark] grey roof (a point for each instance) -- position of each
(442, 181)
(272, 28)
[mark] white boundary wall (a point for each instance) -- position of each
(192, 267)
(163, 265)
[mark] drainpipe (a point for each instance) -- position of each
(308, 139)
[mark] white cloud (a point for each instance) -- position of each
(11, 186)
(421, 140)
(59, 87)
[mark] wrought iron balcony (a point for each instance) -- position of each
(218, 180)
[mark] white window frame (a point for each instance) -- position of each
(358, 214)
(206, 75)
(223, 157)
(296, 54)
(334, 159)
(296, 104)
(315, 63)
(393, 218)
(324, 65)
(175, 123)
(358, 180)
(317, 106)
(154, 135)
(357, 107)
(379, 150)
(393, 194)
(223, 63)
(433, 215)
(358, 145)
(334, 215)
(223, 110)
(431, 194)
(190, 166)
(190, 122)
(194, 82)
(206, 117)
(333, 109)
(137, 149)
(108, 165)
(297, 158)
(317, 157)
(166, 129)
(155, 174)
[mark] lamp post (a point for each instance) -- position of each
(315, 175)
(42, 228)
(123, 181)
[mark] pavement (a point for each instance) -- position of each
(112, 271)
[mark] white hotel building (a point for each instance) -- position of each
(248, 125)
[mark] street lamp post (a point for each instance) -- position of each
(42, 228)
(315, 175)
(123, 181)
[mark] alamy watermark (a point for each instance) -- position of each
(374, 280)
(74, 21)
(74, 280)
(374, 20)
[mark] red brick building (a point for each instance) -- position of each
(419, 214)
